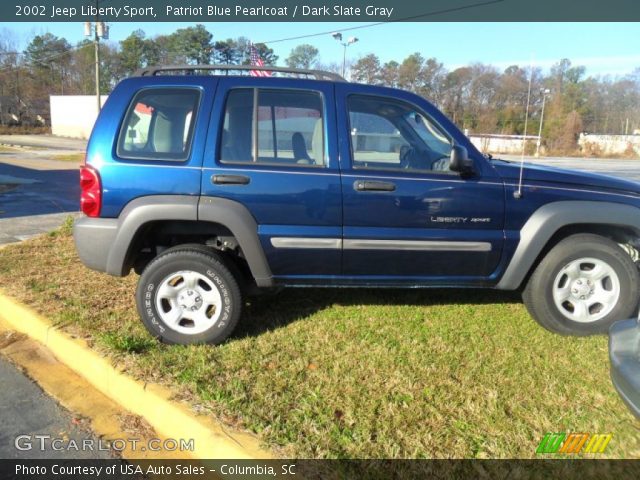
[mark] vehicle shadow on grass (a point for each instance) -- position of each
(269, 312)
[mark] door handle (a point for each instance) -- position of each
(373, 186)
(230, 180)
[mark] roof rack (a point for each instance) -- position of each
(190, 69)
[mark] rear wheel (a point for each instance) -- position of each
(583, 285)
(188, 295)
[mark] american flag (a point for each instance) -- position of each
(257, 61)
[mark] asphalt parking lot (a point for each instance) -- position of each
(26, 411)
(628, 169)
(37, 192)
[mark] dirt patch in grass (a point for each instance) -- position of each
(69, 157)
(24, 130)
(351, 373)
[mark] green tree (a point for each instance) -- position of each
(267, 54)
(227, 52)
(136, 52)
(389, 74)
(48, 58)
(193, 45)
(303, 56)
(367, 70)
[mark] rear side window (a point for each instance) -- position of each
(272, 126)
(159, 124)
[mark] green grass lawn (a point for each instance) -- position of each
(351, 373)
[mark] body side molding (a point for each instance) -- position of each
(550, 218)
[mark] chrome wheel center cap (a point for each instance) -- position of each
(581, 288)
(189, 300)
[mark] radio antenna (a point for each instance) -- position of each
(518, 192)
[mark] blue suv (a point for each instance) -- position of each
(214, 184)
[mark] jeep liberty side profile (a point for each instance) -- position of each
(212, 184)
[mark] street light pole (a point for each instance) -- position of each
(338, 36)
(545, 92)
(344, 57)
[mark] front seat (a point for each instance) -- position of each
(299, 148)
(317, 143)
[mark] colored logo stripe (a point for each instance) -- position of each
(574, 443)
(598, 443)
(551, 443)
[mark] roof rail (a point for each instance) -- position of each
(189, 69)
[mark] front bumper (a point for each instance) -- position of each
(624, 353)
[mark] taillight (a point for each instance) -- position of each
(91, 191)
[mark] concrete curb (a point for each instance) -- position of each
(152, 402)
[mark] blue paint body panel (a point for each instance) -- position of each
(322, 203)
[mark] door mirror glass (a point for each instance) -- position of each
(459, 160)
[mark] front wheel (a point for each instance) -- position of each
(188, 295)
(583, 285)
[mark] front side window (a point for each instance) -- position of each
(391, 135)
(275, 127)
(159, 124)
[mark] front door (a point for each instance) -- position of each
(407, 217)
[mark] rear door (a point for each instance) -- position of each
(149, 138)
(407, 217)
(272, 147)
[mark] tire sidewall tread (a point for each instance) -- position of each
(540, 284)
(205, 262)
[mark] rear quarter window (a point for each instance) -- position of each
(159, 124)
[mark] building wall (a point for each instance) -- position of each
(73, 115)
(501, 143)
(610, 144)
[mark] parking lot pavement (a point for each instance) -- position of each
(628, 169)
(26, 410)
(36, 193)
(44, 141)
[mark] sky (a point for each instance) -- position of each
(603, 48)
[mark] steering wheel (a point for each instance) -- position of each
(441, 165)
(407, 153)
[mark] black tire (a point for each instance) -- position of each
(211, 272)
(538, 294)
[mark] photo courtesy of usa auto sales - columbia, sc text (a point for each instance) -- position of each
(128, 11)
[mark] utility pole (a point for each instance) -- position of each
(97, 49)
(100, 30)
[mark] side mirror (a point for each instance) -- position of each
(460, 161)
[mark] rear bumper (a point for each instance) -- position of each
(624, 353)
(94, 239)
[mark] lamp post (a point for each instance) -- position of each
(350, 41)
(100, 30)
(545, 92)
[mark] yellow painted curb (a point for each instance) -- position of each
(152, 402)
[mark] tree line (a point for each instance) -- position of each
(477, 97)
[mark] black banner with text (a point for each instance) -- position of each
(318, 11)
